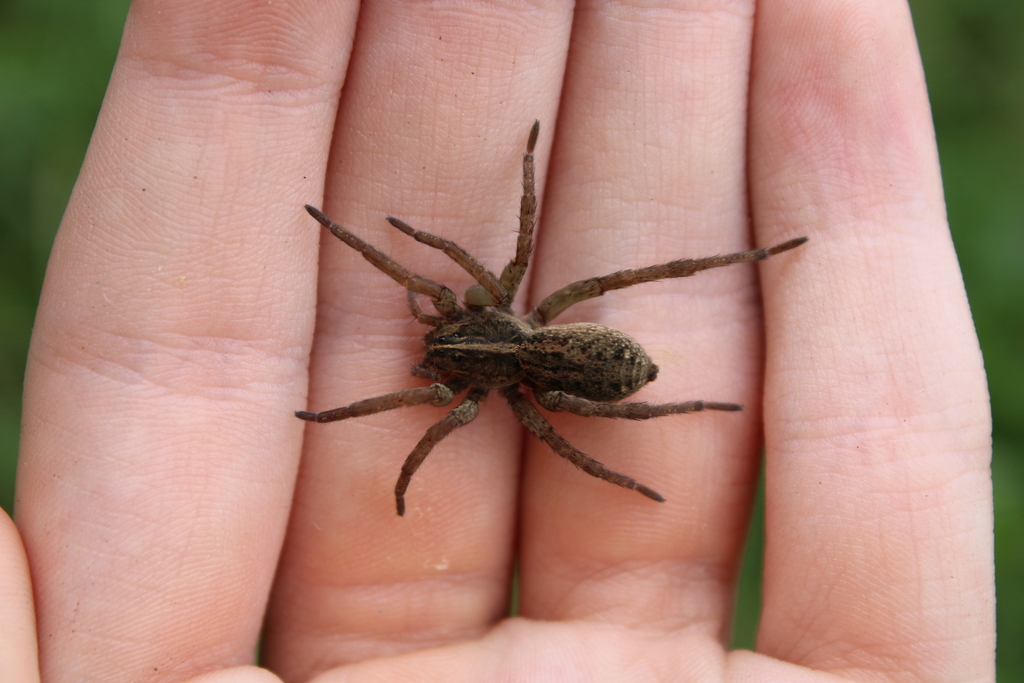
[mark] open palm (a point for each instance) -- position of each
(172, 506)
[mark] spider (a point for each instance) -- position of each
(581, 368)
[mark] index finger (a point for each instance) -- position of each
(159, 447)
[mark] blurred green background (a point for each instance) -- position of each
(56, 56)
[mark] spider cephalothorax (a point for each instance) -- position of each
(581, 368)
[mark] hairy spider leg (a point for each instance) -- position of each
(438, 394)
(633, 410)
(497, 293)
(443, 298)
(582, 290)
(513, 273)
(542, 429)
(486, 278)
(461, 415)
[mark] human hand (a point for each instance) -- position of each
(160, 456)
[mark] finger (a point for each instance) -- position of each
(879, 555)
(169, 351)
(433, 126)
(19, 660)
(649, 167)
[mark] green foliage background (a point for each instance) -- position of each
(56, 56)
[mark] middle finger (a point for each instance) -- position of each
(649, 166)
(432, 127)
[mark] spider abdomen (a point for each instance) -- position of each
(586, 360)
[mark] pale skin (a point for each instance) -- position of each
(185, 317)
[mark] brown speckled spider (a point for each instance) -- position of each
(580, 367)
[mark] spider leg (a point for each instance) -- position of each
(443, 298)
(456, 253)
(638, 410)
(438, 394)
(582, 290)
(542, 429)
(462, 414)
(512, 275)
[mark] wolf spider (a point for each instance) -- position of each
(581, 368)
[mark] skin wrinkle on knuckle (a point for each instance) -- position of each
(200, 93)
(462, 597)
(263, 45)
(864, 428)
(180, 364)
(669, 576)
(699, 8)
